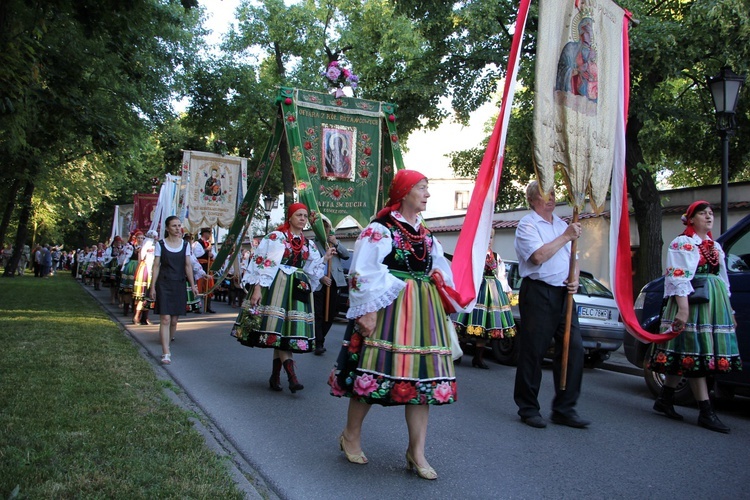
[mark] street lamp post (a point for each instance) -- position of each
(725, 89)
(268, 202)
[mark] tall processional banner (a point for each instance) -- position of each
(214, 185)
(578, 84)
(336, 145)
(144, 206)
(344, 153)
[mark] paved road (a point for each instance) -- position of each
(478, 446)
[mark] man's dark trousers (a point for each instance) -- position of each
(542, 309)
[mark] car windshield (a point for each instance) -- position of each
(589, 286)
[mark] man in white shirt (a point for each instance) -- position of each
(543, 248)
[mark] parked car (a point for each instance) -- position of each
(602, 330)
(650, 303)
(344, 296)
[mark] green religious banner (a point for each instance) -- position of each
(344, 153)
(336, 148)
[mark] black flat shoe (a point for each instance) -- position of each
(570, 420)
(536, 422)
(479, 364)
(210, 311)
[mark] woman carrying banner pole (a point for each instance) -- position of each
(279, 313)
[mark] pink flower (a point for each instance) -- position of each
(443, 392)
(364, 385)
(336, 390)
(302, 344)
(376, 236)
(268, 263)
(333, 73)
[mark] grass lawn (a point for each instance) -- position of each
(82, 414)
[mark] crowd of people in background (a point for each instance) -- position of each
(44, 260)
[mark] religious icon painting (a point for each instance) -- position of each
(338, 151)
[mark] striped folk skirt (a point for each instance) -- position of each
(128, 276)
(142, 281)
(407, 359)
(708, 345)
(491, 318)
(284, 319)
(193, 301)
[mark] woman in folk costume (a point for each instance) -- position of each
(111, 275)
(397, 349)
(708, 342)
(131, 256)
(491, 317)
(279, 312)
(143, 278)
(89, 259)
(193, 299)
(97, 267)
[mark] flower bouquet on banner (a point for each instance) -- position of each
(341, 80)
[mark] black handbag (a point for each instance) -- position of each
(700, 291)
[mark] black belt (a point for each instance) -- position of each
(544, 283)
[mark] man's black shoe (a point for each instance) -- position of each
(536, 421)
(570, 420)
(210, 311)
(319, 351)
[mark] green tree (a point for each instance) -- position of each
(86, 80)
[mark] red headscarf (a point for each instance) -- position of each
(402, 184)
(290, 211)
(690, 230)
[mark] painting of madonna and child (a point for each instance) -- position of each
(338, 153)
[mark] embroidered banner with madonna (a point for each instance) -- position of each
(343, 151)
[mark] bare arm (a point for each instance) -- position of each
(154, 276)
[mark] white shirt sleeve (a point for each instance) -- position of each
(371, 286)
(266, 262)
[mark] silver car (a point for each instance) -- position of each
(601, 328)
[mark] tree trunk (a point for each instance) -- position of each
(23, 229)
(647, 209)
(10, 205)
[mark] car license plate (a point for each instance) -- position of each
(594, 312)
